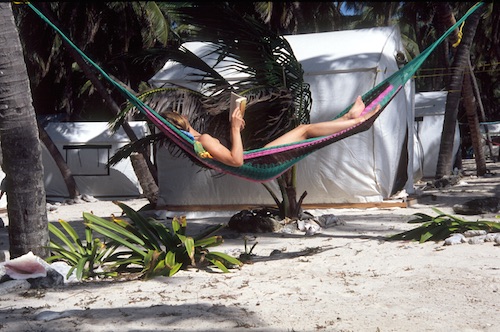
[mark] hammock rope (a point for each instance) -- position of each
(266, 164)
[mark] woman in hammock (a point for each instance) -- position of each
(234, 155)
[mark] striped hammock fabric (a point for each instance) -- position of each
(266, 164)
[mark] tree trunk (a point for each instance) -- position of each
(22, 154)
(482, 117)
(290, 207)
(68, 178)
(148, 184)
(444, 19)
(473, 121)
(445, 158)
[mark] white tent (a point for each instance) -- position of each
(86, 147)
(429, 118)
(367, 167)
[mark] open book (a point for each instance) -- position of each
(237, 100)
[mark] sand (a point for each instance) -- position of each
(347, 277)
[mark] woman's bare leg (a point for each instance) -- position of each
(328, 127)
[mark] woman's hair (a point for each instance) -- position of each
(176, 119)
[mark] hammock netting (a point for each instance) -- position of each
(266, 164)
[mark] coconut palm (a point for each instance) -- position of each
(460, 64)
(22, 156)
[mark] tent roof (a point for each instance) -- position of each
(341, 50)
(334, 51)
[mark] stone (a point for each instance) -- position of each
(254, 221)
(478, 206)
(52, 279)
(11, 286)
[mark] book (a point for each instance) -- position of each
(237, 100)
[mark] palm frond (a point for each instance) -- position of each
(250, 48)
(142, 144)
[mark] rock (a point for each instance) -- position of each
(52, 279)
(478, 206)
(63, 269)
(445, 182)
(455, 238)
(474, 232)
(308, 226)
(254, 221)
(51, 207)
(12, 286)
(477, 239)
(329, 220)
(89, 198)
(490, 237)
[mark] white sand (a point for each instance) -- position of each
(353, 281)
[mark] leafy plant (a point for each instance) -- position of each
(157, 249)
(442, 226)
(141, 245)
(85, 258)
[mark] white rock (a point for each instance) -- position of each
(308, 226)
(474, 232)
(328, 220)
(490, 237)
(455, 238)
(63, 268)
(477, 239)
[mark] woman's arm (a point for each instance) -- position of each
(219, 152)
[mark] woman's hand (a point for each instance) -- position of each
(237, 120)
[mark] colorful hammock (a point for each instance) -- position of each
(266, 164)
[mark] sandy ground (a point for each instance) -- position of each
(345, 278)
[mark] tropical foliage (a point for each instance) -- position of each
(442, 226)
(86, 258)
(136, 244)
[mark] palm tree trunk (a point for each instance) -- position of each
(444, 165)
(68, 178)
(473, 121)
(482, 117)
(22, 154)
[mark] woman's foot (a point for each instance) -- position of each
(356, 109)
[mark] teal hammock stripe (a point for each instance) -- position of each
(266, 164)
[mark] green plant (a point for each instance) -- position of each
(442, 226)
(85, 258)
(141, 245)
(156, 249)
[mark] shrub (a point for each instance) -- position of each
(141, 245)
(442, 226)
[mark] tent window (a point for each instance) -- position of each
(88, 160)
